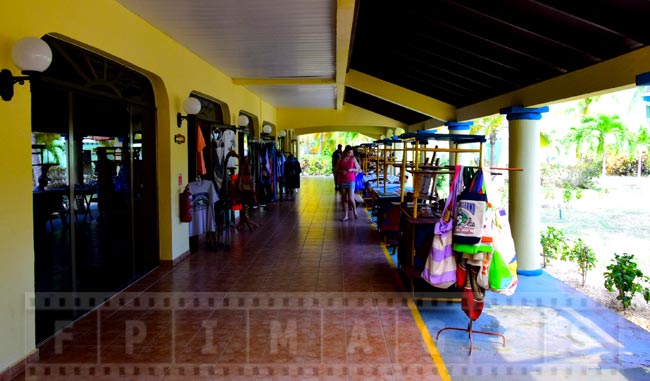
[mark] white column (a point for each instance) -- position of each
(524, 194)
(458, 128)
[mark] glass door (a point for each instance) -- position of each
(95, 201)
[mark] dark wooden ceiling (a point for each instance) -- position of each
(465, 52)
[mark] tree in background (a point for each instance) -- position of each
(639, 143)
(490, 127)
(593, 134)
(602, 127)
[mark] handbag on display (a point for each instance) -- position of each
(246, 184)
(471, 210)
(473, 299)
(503, 267)
(440, 268)
(358, 182)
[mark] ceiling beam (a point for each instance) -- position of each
(605, 77)
(401, 96)
(282, 81)
(350, 118)
(344, 23)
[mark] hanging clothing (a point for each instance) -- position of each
(223, 142)
(279, 164)
(204, 196)
(200, 145)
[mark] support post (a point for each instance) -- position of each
(524, 193)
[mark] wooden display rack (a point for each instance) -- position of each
(424, 192)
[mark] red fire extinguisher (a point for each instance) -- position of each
(186, 205)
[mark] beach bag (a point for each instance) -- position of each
(461, 273)
(358, 182)
(246, 184)
(503, 267)
(440, 267)
(470, 212)
(483, 277)
(473, 299)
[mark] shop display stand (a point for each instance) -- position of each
(424, 175)
(471, 331)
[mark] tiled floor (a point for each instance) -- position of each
(303, 297)
(308, 297)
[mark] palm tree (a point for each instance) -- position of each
(490, 126)
(640, 142)
(583, 107)
(548, 142)
(595, 131)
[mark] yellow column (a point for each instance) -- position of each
(524, 194)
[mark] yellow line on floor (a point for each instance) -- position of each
(424, 331)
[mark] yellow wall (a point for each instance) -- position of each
(105, 27)
(350, 118)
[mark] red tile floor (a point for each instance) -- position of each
(303, 297)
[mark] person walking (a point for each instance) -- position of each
(346, 169)
(292, 172)
(336, 155)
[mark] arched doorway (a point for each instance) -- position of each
(95, 216)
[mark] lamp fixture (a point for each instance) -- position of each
(192, 106)
(32, 56)
(267, 128)
(242, 121)
(283, 133)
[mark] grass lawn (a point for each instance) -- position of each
(613, 219)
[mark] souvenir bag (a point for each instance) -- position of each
(473, 299)
(470, 212)
(482, 278)
(246, 184)
(503, 267)
(461, 273)
(440, 268)
(358, 182)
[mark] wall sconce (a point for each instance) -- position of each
(281, 136)
(242, 121)
(32, 56)
(267, 128)
(192, 106)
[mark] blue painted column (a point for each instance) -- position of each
(524, 192)
(458, 128)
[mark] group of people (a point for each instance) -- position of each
(345, 168)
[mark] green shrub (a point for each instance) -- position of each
(580, 176)
(624, 275)
(624, 166)
(553, 244)
(583, 256)
(316, 164)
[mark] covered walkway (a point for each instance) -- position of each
(308, 297)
